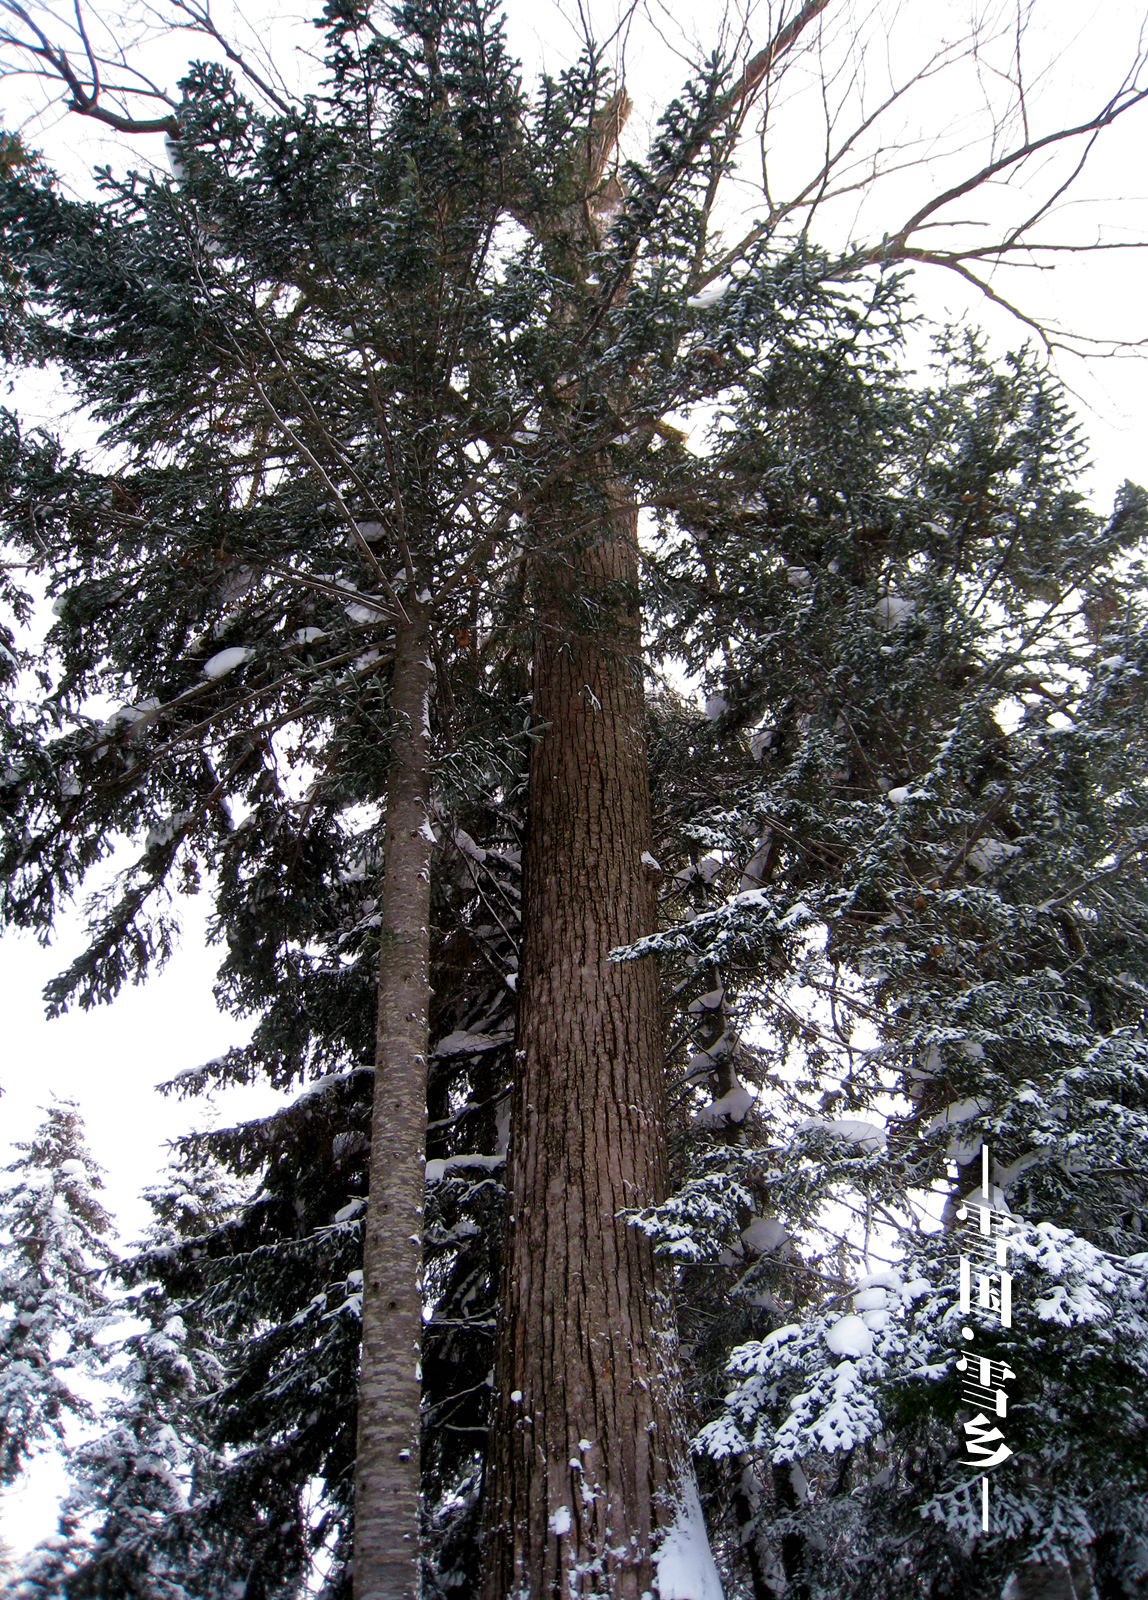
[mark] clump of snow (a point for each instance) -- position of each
(560, 1522)
(760, 741)
(972, 1203)
(174, 159)
(649, 861)
(226, 661)
(962, 1147)
(684, 1562)
(309, 635)
(468, 847)
(987, 853)
(469, 1044)
(849, 1338)
(898, 796)
(734, 1104)
(764, 1234)
(798, 577)
(439, 1169)
(516, 1397)
(894, 612)
(869, 1135)
(131, 716)
(165, 832)
(372, 532)
(709, 296)
(704, 871)
(959, 1111)
(716, 705)
(361, 613)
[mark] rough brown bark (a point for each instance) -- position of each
(387, 1461)
(581, 1461)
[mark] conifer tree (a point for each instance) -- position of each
(932, 667)
(132, 1523)
(260, 591)
(612, 308)
(53, 1305)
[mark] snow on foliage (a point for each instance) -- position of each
(225, 661)
(711, 295)
(52, 1306)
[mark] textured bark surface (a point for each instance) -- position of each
(387, 1462)
(581, 1458)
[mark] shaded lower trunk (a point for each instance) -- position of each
(586, 1453)
(387, 1497)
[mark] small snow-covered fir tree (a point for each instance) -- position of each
(54, 1250)
(134, 1523)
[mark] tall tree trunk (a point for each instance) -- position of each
(585, 1450)
(387, 1461)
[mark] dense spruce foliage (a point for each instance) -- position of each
(346, 359)
(928, 885)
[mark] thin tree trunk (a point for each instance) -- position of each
(585, 1453)
(387, 1461)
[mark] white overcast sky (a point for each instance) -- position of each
(109, 1060)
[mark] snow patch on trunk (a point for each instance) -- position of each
(685, 1564)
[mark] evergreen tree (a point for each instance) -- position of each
(294, 576)
(522, 406)
(933, 659)
(53, 1253)
(132, 1523)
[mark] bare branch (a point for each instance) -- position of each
(53, 66)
